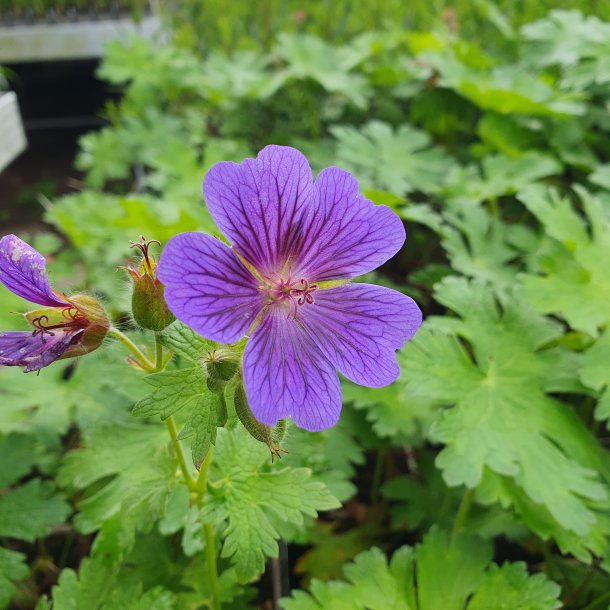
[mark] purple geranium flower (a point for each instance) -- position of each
(65, 327)
(290, 238)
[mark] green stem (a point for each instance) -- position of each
(462, 513)
(173, 432)
(210, 560)
(208, 532)
(377, 472)
(159, 364)
(139, 356)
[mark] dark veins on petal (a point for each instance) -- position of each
(34, 352)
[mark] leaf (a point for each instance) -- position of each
(207, 413)
(510, 586)
(185, 342)
(332, 455)
(573, 41)
(575, 282)
(65, 391)
(127, 470)
(242, 76)
(505, 89)
(17, 451)
(29, 511)
(173, 391)
(180, 389)
(449, 571)
(500, 418)
(12, 569)
(247, 499)
(395, 414)
(399, 161)
(329, 65)
(499, 175)
(595, 373)
(441, 572)
(97, 588)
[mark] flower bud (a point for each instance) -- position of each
(148, 305)
(272, 436)
(221, 364)
(83, 317)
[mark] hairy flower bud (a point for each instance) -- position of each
(221, 365)
(147, 301)
(272, 436)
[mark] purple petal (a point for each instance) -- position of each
(286, 375)
(359, 327)
(22, 271)
(346, 234)
(34, 352)
(207, 287)
(258, 205)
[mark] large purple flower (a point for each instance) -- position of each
(65, 327)
(290, 237)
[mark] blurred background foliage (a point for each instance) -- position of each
(485, 126)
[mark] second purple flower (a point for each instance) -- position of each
(290, 237)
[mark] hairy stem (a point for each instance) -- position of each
(462, 513)
(179, 451)
(210, 560)
(139, 356)
(159, 363)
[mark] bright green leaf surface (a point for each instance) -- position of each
(248, 496)
(501, 419)
(440, 573)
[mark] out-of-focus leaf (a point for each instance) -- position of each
(12, 569)
(28, 512)
(575, 282)
(399, 161)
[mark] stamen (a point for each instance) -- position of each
(143, 246)
(76, 321)
(279, 289)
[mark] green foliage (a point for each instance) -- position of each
(441, 572)
(137, 493)
(29, 511)
(248, 501)
(12, 568)
(96, 588)
(186, 389)
(487, 138)
(501, 419)
(575, 280)
(399, 162)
